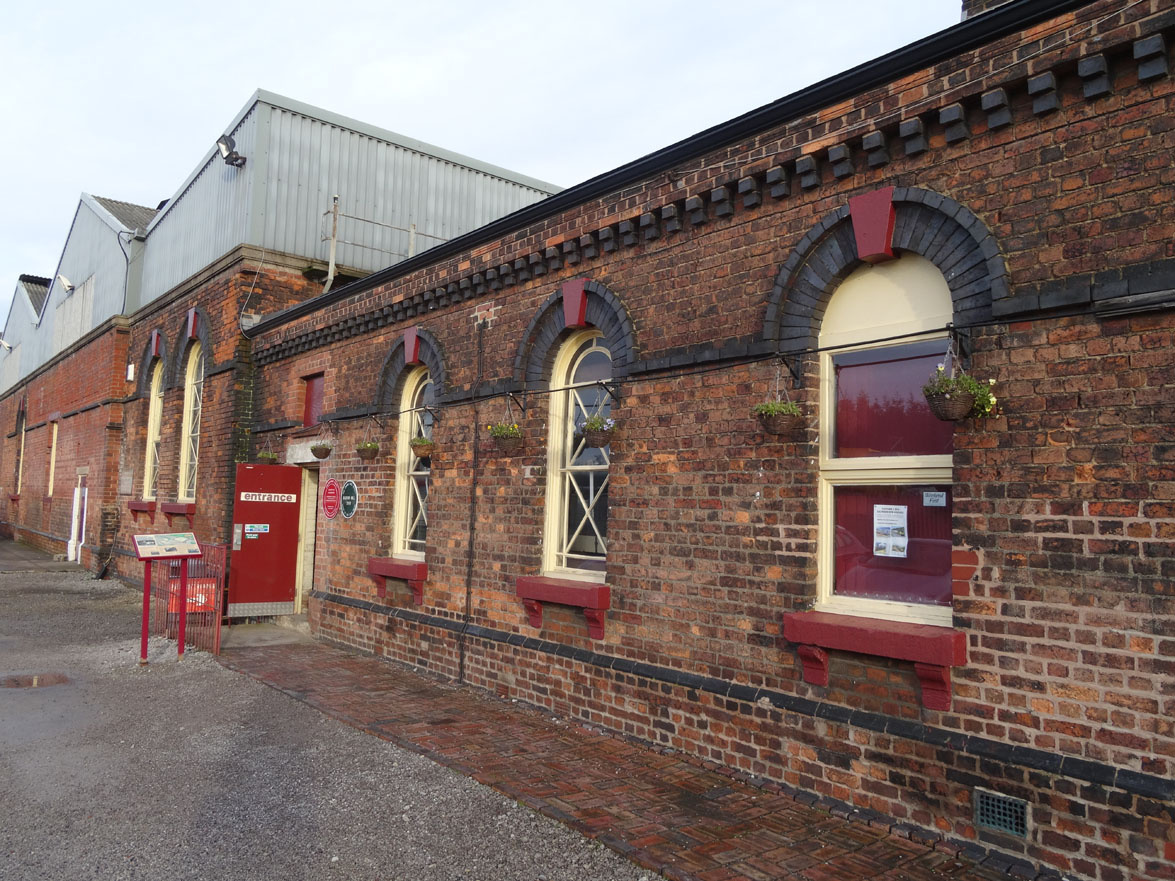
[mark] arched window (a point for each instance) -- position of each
(413, 472)
(193, 404)
(885, 461)
(154, 422)
(576, 534)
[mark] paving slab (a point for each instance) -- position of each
(17, 557)
(664, 811)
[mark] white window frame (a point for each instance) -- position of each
(154, 427)
(407, 505)
(559, 439)
(190, 434)
(908, 296)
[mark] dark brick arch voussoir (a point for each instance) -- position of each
(394, 371)
(931, 225)
(540, 341)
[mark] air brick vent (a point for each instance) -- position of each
(1001, 813)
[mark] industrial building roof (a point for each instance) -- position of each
(37, 288)
(129, 215)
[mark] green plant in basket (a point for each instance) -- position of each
(504, 429)
(962, 385)
(599, 422)
(776, 408)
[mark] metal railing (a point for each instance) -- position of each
(206, 580)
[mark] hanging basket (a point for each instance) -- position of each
(367, 453)
(422, 447)
(598, 437)
(509, 445)
(951, 408)
(780, 423)
(320, 451)
(266, 457)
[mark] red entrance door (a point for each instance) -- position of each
(262, 576)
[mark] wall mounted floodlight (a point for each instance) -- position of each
(228, 151)
(65, 283)
(7, 345)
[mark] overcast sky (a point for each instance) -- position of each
(123, 101)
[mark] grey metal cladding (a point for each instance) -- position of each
(297, 159)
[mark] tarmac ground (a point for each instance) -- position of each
(655, 811)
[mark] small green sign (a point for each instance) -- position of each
(350, 499)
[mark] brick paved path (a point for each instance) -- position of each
(662, 811)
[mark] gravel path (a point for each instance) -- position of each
(176, 771)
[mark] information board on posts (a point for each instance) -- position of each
(166, 546)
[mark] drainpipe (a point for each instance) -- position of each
(481, 326)
(334, 243)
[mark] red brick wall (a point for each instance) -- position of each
(103, 416)
(225, 436)
(1065, 497)
(86, 405)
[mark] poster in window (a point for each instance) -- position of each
(889, 530)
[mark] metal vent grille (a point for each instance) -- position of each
(1001, 813)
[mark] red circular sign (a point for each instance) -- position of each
(332, 495)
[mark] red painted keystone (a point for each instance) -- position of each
(575, 302)
(873, 224)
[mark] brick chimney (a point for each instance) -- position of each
(972, 8)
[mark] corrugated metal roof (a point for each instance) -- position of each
(129, 215)
(37, 288)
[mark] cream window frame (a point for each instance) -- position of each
(407, 504)
(190, 433)
(154, 429)
(907, 298)
(52, 457)
(559, 426)
(20, 461)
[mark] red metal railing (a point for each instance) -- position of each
(206, 576)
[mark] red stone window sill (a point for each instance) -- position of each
(595, 599)
(934, 650)
(413, 572)
(138, 507)
(178, 509)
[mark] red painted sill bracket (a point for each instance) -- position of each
(934, 650)
(138, 507)
(178, 509)
(413, 572)
(594, 599)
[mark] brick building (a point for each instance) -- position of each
(126, 382)
(965, 627)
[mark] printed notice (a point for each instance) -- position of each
(175, 544)
(889, 530)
